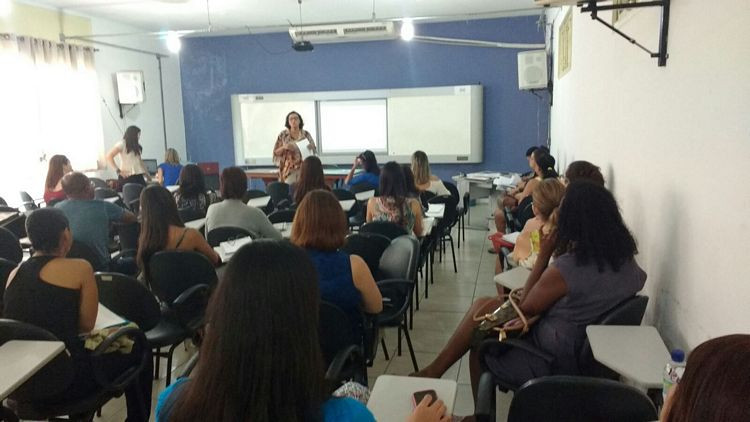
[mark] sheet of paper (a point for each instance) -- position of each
(511, 237)
(106, 318)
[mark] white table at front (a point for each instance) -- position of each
(636, 352)
(20, 359)
(391, 397)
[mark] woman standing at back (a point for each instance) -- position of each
(131, 168)
(59, 166)
(162, 229)
(394, 203)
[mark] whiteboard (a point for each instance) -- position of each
(446, 122)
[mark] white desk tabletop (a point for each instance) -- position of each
(364, 196)
(172, 188)
(514, 278)
(196, 224)
(636, 352)
(20, 359)
(284, 228)
(259, 202)
(435, 210)
(427, 224)
(347, 204)
(391, 397)
(112, 200)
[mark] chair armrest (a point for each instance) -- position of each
(350, 353)
(182, 306)
(396, 298)
(127, 376)
(484, 410)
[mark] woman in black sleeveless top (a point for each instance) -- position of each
(60, 295)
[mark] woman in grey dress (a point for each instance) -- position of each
(593, 270)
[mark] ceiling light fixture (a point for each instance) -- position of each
(407, 30)
(5, 8)
(174, 44)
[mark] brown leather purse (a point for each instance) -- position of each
(489, 323)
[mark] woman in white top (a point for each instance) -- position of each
(131, 168)
(423, 179)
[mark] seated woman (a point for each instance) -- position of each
(235, 213)
(546, 199)
(320, 227)
(192, 193)
(423, 178)
(583, 170)
(394, 203)
(310, 178)
(261, 359)
(162, 229)
(594, 270)
(371, 173)
(168, 172)
(60, 295)
(716, 384)
(59, 166)
(543, 165)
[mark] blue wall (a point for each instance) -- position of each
(214, 68)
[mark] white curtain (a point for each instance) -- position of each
(49, 104)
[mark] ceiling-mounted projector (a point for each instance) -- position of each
(302, 46)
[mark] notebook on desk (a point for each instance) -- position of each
(105, 318)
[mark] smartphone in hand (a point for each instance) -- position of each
(420, 395)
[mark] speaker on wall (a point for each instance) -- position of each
(532, 69)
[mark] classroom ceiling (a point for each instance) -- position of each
(275, 15)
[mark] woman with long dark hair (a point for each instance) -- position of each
(593, 271)
(371, 173)
(131, 168)
(192, 193)
(310, 178)
(162, 229)
(394, 203)
(59, 166)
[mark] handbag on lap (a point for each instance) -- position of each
(491, 323)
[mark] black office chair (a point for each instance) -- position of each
(104, 192)
(443, 228)
(83, 251)
(5, 269)
(424, 198)
(628, 312)
(2, 202)
(515, 220)
(28, 202)
(355, 215)
(182, 280)
(16, 224)
(35, 399)
(98, 183)
(369, 247)
(190, 214)
(222, 234)
(398, 266)
(281, 216)
(384, 228)
(343, 350)
(363, 187)
(461, 210)
(131, 192)
(279, 193)
(567, 398)
(10, 247)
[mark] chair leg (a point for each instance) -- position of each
(416, 298)
(398, 348)
(453, 252)
(157, 363)
(170, 355)
(385, 349)
(411, 350)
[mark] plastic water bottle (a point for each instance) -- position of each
(673, 371)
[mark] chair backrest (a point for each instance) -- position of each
(369, 247)
(343, 194)
(189, 214)
(28, 201)
(278, 191)
(10, 247)
(335, 331)
(450, 214)
(425, 197)
(53, 378)
(281, 216)
(384, 228)
(628, 312)
(222, 234)
(2, 202)
(5, 268)
(400, 259)
(524, 212)
(213, 182)
(98, 183)
(83, 251)
(173, 272)
(128, 234)
(252, 194)
(363, 187)
(567, 398)
(128, 298)
(454, 192)
(131, 192)
(104, 192)
(16, 224)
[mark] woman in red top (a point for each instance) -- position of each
(59, 165)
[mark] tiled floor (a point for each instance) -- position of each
(449, 298)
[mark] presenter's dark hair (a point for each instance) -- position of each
(260, 359)
(44, 227)
(369, 162)
(131, 140)
(286, 121)
(233, 183)
(591, 228)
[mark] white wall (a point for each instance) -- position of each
(674, 144)
(148, 115)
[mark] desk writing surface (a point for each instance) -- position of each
(391, 397)
(20, 359)
(259, 202)
(514, 278)
(364, 196)
(347, 204)
(636, 352)
(196, 224)
(435, 210)
(427, 224)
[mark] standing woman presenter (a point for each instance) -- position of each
(287, 152)
(131, 168)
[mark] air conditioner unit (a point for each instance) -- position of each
(349, 32)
